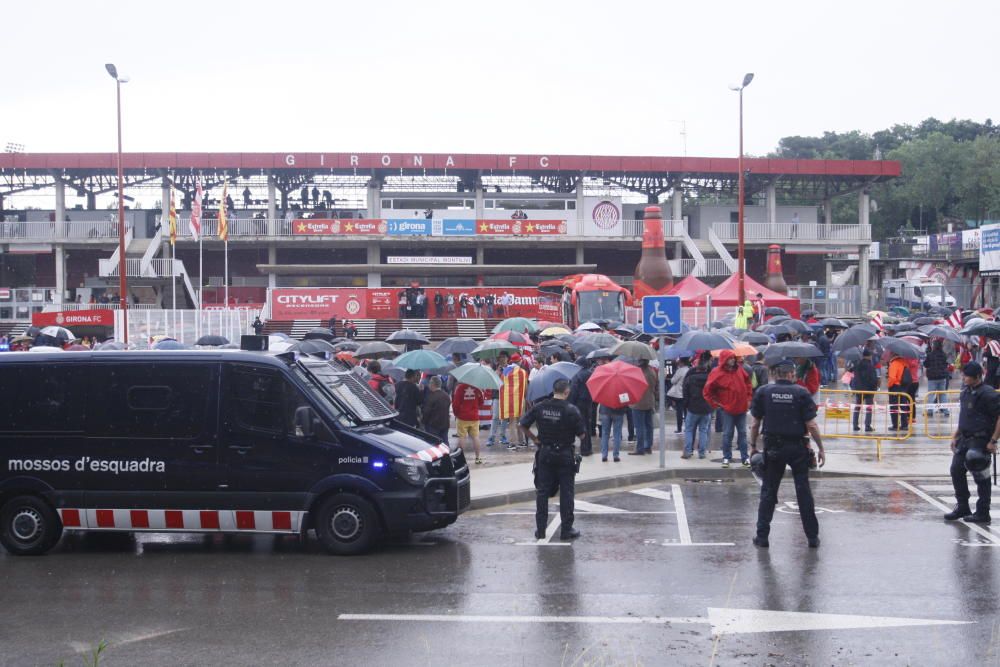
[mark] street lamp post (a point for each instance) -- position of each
(122, 282)
(740, 248)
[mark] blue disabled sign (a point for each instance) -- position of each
(661, 315)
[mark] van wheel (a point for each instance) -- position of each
(346, 524)
(28, 526)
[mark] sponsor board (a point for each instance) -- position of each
(75, 318)
(520, 227)
(458, 227)
(392, 259)
(322, 303)
(338, 227)
(409, 227)
(989, 250)
(318, 303)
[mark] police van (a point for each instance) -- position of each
(212, 441)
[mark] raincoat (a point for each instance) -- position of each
(727, 388)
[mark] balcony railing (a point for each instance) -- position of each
(36, 232)
(790, 232)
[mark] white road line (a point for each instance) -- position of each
(937, 488)
(583, 513)
(682, 520)
(584, 506)
(941, 506)
(549, 534)
(448, 618)
(652, 493)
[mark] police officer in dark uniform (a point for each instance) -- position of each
(788, 414)
(559, 424)
(978, 429)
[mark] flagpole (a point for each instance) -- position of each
(225, 277)
(201, 283)
(173, 282)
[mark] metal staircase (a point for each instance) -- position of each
(144, 267)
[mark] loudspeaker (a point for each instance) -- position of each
(253, 343)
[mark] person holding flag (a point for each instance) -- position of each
(512, 393)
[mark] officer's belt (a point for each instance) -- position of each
(556, 447)
(975, 434)
(780, 441)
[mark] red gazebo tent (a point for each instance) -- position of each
(727, 294)
(691, 291)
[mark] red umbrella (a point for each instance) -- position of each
(513, 337)
(617, 384)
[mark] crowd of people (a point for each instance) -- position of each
(413, 303)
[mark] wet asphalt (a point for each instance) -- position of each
(241, 600)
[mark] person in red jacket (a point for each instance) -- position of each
(728, 387)
(466, 403)
(807, 375)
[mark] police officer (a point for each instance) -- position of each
(978, 429)
(788, 414)
(559, 423)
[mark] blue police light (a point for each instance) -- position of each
(378, 464)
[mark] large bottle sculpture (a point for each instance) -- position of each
(652, 273)
(775, 281)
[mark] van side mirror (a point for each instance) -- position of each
(306, 422)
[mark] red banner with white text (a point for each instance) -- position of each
(322, 303)
(339, 227)
(102, 317)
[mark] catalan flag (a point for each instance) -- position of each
(173, 218)
(194, 223)
(515, 384)
(223, 223)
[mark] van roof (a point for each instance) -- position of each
(112, 356)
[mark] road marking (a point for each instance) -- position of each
(682, 519)
(791, 507)
(594, 508)
(81, 647)
(549, 534)
(941, 506)
(652, 493)
(937, 488)
(584, 513)
(723, 621)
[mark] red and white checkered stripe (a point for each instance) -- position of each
(955, 320)
(431, 453)
(182, 520)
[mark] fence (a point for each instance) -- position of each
(884, 415)
(185, 326)
(940, 414)
(827, 300)
(785, 232)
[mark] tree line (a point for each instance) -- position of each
(950, 173)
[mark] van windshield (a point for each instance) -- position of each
(348, 391)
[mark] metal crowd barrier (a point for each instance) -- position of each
(940, 413)
(836, 415)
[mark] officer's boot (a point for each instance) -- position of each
(961, 510)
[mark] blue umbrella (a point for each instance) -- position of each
(671, 353)
(541, 386)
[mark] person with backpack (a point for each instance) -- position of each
(676, 391)
(699, 412)
(759, 375)
(381, 384)
(938, 373)
(900, 379)
(864, 379)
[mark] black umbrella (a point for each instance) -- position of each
(778, 351)
(548, 350)
(347, 345)
(600, 353)
(567, 337)
(755, 338)
(775, 310)
(113, 345)
(853, 337)
(778, 319)
(456, 345)
(915, 334)
(940, 310)
(212, 340)
(923, 320)
(376, 350)
(582, 348)
(851, 355)
(314, 347)
(53, 337)
(319, 333)
(987, 329)
(777, 330)
(901, 347)
(542, 384)
(902, 326)
(798, 326)
(806, 314)
(703, 340)
(408, 337)
(168, 344)
(938, 331)
(834, 323)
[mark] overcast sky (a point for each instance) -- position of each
(574, 77)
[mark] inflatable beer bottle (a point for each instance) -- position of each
(775, 281)
(652, 273)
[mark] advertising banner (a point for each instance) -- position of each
(458, 227)
(323, 227)
(102, 317)
(945, 243)
(409, 227)
(524, 301)
(382, 303)
(318, 303)
(989, 250)
(520, 227)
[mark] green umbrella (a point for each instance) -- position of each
(519, 324)
(492, 349)
(420, 360)
(634, 350)
(477, 375)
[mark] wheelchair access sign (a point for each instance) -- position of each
(661, 315)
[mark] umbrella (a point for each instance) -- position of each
(491, 349)
(567, 338)
(853, 337)
(778, 319)
(902, 326)
(376, 350)
(947, 333)
(633, 349)
(626, 330)
(914, 337)
(834, 323)
(513, 337)
(421, 360)
(755, 338)
(553, 331)
(545, 379)
(600, 339)
(617, 384)
(703, 340)
(791, 350)
(775, 310)
(806, 314)
(477, 375)
(408, 337)
(111, 345)
(589, 326)
(280, 334)
(777, 330)
(395, 373)
(169, 344)
(347, 346)
(940, 310)
(76, 347)
(212, 340)
(798, 326)
(319, 333)
(456, 345)
(902, 311)
(600, 353)
(850, 355)
(546, 352)
(521, 324)
(924, 321)
(671, 353)
(987, 329)
(740, 350)
(54, 336)
(315, 346)
(582, 348)
(895, 346)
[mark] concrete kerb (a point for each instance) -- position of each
(523, 495)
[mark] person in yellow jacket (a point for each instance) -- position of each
(744, 315)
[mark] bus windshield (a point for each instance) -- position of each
(600, 305)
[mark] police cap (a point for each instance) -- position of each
(783, 365)
(973, 370)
